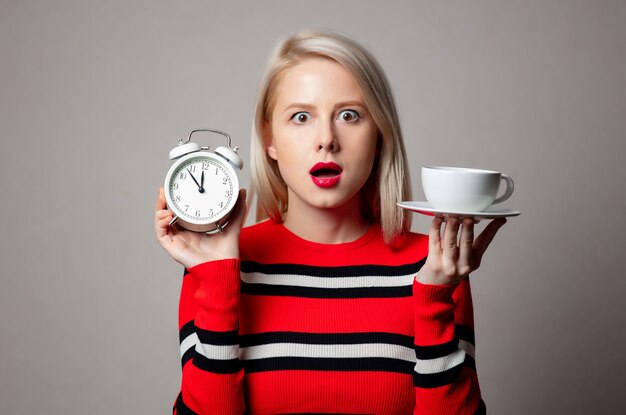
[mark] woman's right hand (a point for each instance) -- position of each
(193, 248)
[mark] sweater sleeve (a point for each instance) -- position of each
(445, 377)
(212, 375)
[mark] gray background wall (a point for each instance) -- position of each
(94, 95)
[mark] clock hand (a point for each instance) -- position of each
(200, 189)
(202, 180)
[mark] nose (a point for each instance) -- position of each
(327, 137)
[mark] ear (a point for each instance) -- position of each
(268, 141)
(271, 151)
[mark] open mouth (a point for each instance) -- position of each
(325, 170)
(326, 174)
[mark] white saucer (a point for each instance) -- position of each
(492, 212)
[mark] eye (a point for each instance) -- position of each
(301, 117)
(349, 116)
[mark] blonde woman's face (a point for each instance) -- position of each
(321, 134)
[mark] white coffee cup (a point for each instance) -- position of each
(463, 189)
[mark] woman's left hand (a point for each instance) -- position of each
(449, 262)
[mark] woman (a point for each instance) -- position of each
(332, 305)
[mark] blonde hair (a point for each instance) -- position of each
(389, 182)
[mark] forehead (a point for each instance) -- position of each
(317, 80)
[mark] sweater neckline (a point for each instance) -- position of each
(364, 239)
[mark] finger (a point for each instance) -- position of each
(451, 233)
(466, 246)
(160, 203)
(161, 225)
(434, 238)
(160, 207)
(163, 213)
(486, 236)
(450, 238)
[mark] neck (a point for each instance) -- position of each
(326, 225)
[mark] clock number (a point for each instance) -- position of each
(216, 171)
(197, 213)
(221, 205)
(186, 208)
(183, 176)
(178, 198)
(192, 168)
(205, 165)
(210, 212)
(175, 186)
(225, 180)
(228, 193)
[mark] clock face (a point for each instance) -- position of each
(202, 190)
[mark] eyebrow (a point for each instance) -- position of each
(339, 105)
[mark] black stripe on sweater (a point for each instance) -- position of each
(187, 330)
(436, 351)
(465, 333)
(439, 350)
(217, 338)
(187, 356)
(215, 365)
(329, 272)
(469, 362)
(313, 292)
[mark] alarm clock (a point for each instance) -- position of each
(202, 186)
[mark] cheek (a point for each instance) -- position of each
(292, 144)
(365, 166)
(367, 156)
(289, 159)
(364, 149)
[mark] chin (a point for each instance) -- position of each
(332, 198)
(333, 201)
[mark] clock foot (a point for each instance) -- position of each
(173, 221)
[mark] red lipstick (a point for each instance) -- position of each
(326, 174)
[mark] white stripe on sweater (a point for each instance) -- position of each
(189, 342)
(362, 350)
(326, 282)
(441, 364)
(218, 352)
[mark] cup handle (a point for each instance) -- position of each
(509, 188)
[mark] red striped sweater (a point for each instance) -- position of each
(301, 327)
